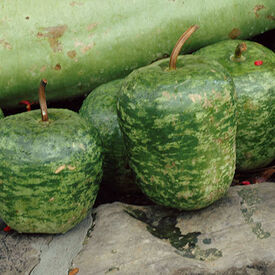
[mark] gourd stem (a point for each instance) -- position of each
(178, 46)
(238, 52)
(42, 100)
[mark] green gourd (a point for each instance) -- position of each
(82, 44)
(252, 67)
(50, 169)
(179, 126)
(99, 108)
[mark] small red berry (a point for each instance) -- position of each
(27, 103)
(258, 63)
(7, 229)
(245, 182)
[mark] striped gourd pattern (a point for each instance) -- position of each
(180, 127)
(49, 171)
(255, 88)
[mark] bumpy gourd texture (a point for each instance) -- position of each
(180, 128)
(99, 108)
(255, 88)
(49, 171)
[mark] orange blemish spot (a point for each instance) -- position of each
(60, 168)
(71, 168)
(57, 67)
(73, 271)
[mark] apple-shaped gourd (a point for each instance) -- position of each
(99, 108)
(50, 169)
(252, 67)
(179, 127)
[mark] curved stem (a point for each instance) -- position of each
(178, 46)
(42, 100)
(238, 57)
(240, 49)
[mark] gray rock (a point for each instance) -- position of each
(18, 254)
(40, 254)
(235, 235)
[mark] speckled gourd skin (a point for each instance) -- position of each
(99, 108)
(80, 44)
(180, 127)
(255, 88)
(49, 171)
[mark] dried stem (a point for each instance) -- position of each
(42, 100)
(178, 46)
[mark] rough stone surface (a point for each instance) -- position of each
(40, 254)
(235, 235)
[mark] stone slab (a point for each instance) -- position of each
(40, 254)
(235, 235)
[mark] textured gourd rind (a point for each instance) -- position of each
(179, 127)
(99, 108)
(49, 171)
(255, 88)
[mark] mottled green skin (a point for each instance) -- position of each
(99, 108)
(49, 171)
(255, 88)
(1, 114)
(179, 128)
(79, 44)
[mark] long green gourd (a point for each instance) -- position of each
(81, 44)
